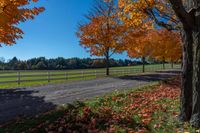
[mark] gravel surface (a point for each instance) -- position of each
(28, 101)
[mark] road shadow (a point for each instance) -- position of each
(158, 76)
(18, 103)
(170, 71)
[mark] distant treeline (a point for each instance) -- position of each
(60, 63)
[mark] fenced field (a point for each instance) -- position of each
(11, 79)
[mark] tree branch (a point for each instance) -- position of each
(186, 18)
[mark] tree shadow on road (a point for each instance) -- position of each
(15, 103)
(158, 76)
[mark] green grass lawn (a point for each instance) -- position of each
(72, 75)
(148, 109)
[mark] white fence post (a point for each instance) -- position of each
(82, 75)
(95, 73)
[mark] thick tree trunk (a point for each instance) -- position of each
(195, 120)
(143, 64)
(190, 20)
(187, 72)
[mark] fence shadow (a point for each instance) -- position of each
(15, 103)
(160, 75)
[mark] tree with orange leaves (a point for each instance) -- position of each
(102, 35)
(166, 45)
(12, 12)
(137, 12)
(160, 44)
(184, 16)
(138, 45)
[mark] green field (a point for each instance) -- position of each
(13, 79)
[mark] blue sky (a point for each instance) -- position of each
(52, 33)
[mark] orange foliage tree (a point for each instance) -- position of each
(159, 44)
(187, 12)
(141, 16)
(166, 45)
(160, 12)
(12, 12)
(138, 45)
(102, 35)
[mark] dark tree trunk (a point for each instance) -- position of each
(190, 109)
(187, 73)
(107, 63)
(195, 120)
(163, 62)
(143, 64)
(172, 64)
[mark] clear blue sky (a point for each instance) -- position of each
(52, 33)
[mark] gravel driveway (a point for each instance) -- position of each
(28, 101)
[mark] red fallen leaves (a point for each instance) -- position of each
(110, 118)
(86, 109)
(147, 102)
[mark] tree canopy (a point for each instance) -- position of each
(12, 12)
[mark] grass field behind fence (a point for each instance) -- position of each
(13, 79)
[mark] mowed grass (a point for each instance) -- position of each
(148, 109)
(60, 76)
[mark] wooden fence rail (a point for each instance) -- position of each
(49, 76)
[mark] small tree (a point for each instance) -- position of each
(138, 45)
(102, 35)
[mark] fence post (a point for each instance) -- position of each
(48, 76)
(66, 76)
(82, 75)
(18, 79)
(95, 73)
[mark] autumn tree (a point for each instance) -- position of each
(166, 45)
(12, 12)
(102, 34)
(187, 12)
(139, 16)
(138, 45)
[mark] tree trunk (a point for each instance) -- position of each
(163, 62)
(172, 64)
(190, 95)
(107, 63)
(143, 64)
(195, 119)
(187, 72)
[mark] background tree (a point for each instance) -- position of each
(102, 35)
(166, 45)
(12, 12)
(41, 63)
(138, 45)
